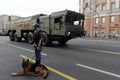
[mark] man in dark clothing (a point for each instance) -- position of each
(37, 42)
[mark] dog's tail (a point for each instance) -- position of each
(45, 75)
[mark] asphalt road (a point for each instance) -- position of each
(81, 59)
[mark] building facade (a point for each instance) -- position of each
(102, 16)
(4, 19)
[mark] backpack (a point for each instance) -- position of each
(37, 36)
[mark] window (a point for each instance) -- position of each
(76, 23)
(119, 3)
(9, 18)
(103, 19)
(87, 10)
(113, 5)
(96, 20)
(103, 6)
(119, 31)
(112, 19)
(119, 19)
(112, 30)
(97, 8)
(57, 20)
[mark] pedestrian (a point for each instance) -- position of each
(37, 42)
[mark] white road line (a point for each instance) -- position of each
(97, 40)
(109, 52)
(99, 70)
(25, 49)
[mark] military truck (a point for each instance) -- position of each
(59, 26)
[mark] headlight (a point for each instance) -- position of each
(68, 33)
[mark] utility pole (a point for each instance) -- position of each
(91, 18)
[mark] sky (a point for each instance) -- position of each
(26, 8)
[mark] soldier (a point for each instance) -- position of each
(37, 42)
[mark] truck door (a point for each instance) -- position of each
(58, 27)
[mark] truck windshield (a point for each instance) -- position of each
(74, 19)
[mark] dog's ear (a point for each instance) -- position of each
(23, 62)
(28, 60)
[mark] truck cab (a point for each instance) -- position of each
(62, 26)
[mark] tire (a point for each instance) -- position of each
(30, 37)
(17, 39)
(11, 36)
(45, 39)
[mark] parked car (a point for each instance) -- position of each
(3, 32)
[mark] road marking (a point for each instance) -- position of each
(110, 52)
(118, 53)
(25, 49)
(51, 69)
(99, 70)
(101, 41)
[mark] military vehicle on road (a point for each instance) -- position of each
(59, 26)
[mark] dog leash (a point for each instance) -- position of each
(33, 57)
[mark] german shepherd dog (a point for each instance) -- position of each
(32, 68)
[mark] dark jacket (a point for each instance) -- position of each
(37, 36)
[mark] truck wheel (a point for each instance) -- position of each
(44, 39)
(30, 38)
(11, 36)
(17, 39)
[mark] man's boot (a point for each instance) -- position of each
(38, 62)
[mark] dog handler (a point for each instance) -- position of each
(37, 42)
